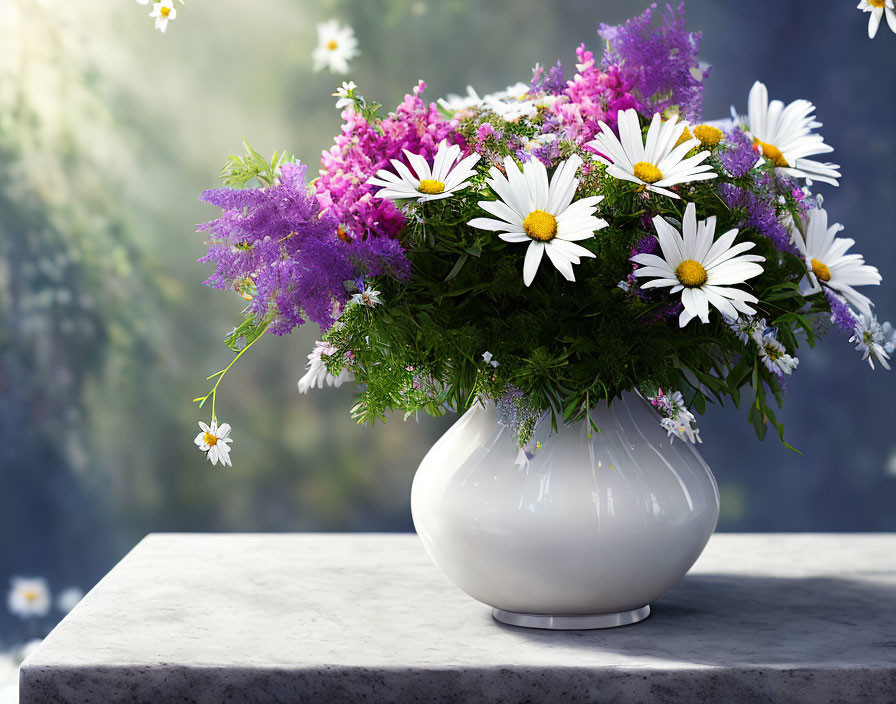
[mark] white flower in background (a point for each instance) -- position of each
(367, 297)
(456, 103)
(441, 181)
(163, 11)
(774, 355)
(704, 271)
(783, 136)
(215, 441)
(29, 597)
(336, 46)
(657, 163)
(487, 358)
(68, 599)
(344, 93)
(878, 8)
(542, 214)
(873, 340)
(828, 264)
(317, 374)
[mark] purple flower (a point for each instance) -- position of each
(738, 156)
(759, 212)
(841, 314)
(661, 62)
(550, 81)
(276, 243)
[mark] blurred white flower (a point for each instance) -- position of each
(873, 340)
(487, 358)
(68, 599)
(215, 442)
(163, 11)
(29, 597)
(336, 46)
(317, 374)
(683, 426)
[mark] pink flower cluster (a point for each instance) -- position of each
(592, 96)
(362, 149)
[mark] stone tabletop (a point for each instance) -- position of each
(304, 618)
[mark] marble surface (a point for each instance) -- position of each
(272, 618)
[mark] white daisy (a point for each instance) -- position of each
(828, 264)
(345, 93)
(425, 183)
(873, 340)
(336, 46)
(317, 374)
(783, 136)
(215, 441)
(774, 355)
(68, 599)
(163, 11)
(458, 103)
(659, 162)
(746, 328)
(877, 8)
(542, 214)
(704, 271)
(367, 297)
(29, 597)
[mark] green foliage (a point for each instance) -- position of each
(252, 168)
(567, 345)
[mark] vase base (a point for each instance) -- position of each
(569, 622)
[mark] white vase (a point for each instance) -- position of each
(585, 535)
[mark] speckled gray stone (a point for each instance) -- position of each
(207, 619)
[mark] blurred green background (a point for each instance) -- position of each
(108, 132)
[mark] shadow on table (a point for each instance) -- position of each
(724, 619)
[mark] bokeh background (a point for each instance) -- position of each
(108, 132)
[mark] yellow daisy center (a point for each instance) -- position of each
(164, 11)
(332, 45)
(210, 439)
(685, 136)
(691, 273)
(647, 172)
(877, 3)
(771, 152)
(431, 187)
(708, 135)
(540, 226)
(820, 269)
(31, 595)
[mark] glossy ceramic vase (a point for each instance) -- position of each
(585, 533)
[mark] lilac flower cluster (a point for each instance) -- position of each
(739, 158)
(513, 412)
(362, 149)
(276, 247)
(662, 62)
(841, 314)
(548, 81)
(594, 95)
(759, 211)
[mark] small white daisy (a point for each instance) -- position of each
(344, 93)
(68, 599)
(657, 163)
(29, 597)
(873, 340)
(828, 264)
(215, 441)
(878, 8)
(317, 374)
(163, 11)
(442, 180)
(543, 214)
(774, 355)
(747, 327)
(367, 297)
(783, 135)
(704, 270)
(336, 46)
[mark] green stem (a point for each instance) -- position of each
(220, 374)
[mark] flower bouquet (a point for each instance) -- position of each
(550, 246)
